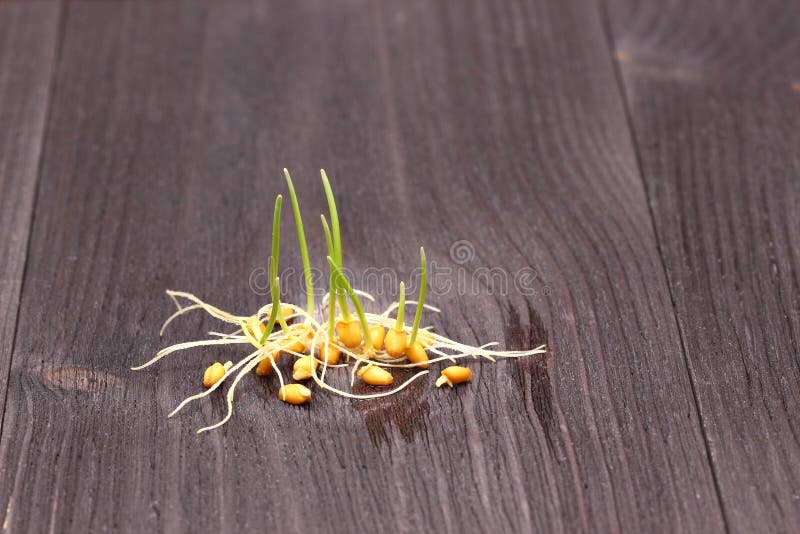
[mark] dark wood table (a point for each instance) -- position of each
(639, 163)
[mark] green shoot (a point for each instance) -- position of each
(398, 325)
(336, 239)
(356, 303)
(249, 335)
(273, 261)
(301, 239)
(331, 308)
(328, 238)
(276, 238)
(421, 300)
(332, 281)
(281, 320)
(273, 270)
(274, 313)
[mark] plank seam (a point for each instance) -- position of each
(606, 23)
(60, 29)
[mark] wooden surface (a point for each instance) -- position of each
(639, 162)
(25, 85)
(715, 108)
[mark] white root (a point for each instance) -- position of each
(442, 380)
(228, 372)
(229, 397)
(211, 310)
(443, 348)
(177, 314)
(187, 345)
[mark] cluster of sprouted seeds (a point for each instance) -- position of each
(372, 343)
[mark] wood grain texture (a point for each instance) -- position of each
(500, 123)
(715, 102)
(28, 35)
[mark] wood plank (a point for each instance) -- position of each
(498, 123)
(28, 35)
(715, 102)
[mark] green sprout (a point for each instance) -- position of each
(301, 240)
(328, 238)
(274, 314)
(401, 308)
(274, 289)
(337, 242)
(421, 300)
(356, 303)
(332, 281)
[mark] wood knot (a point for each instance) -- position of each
(80, 379)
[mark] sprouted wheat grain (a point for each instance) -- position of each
(372, 344)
